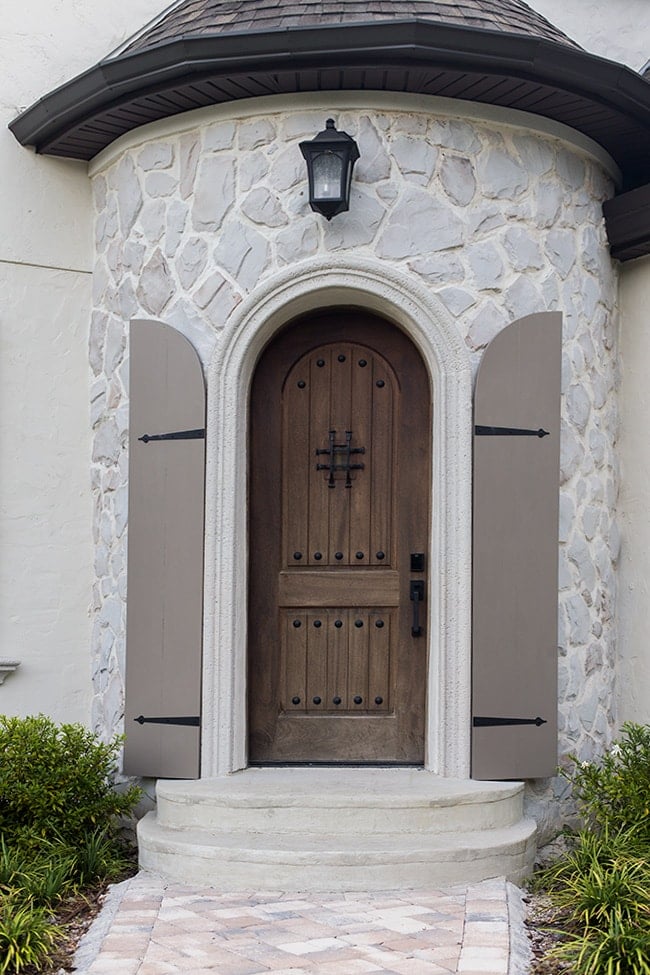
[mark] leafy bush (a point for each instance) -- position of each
(601, 888)
(57, 783)
(615, 793)
(59, 829)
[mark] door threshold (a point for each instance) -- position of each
(335, 765)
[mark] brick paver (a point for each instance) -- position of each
(163, 928)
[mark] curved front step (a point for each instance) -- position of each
(336, 829)
(358, 800)
(242, 861)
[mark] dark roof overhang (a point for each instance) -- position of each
(605, 101)
(627, 217)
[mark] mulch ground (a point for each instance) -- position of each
(545, 933)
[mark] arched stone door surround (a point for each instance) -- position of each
(314, 284)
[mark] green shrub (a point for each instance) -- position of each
(621, 948)
(26, 935)
(99, 858)
(40, 879)
(590, 853)
(615, 792)
(599, 891)
(57, 783)
(601, 887)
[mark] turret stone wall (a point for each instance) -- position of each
(497, 220)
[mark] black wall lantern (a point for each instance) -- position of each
(330, 156)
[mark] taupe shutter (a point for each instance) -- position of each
(515, 587)
(165, 560)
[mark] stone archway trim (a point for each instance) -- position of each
(310, 285)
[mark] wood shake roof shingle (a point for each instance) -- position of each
(196, 18)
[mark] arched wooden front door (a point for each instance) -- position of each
(339, 523)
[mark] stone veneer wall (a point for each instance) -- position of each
(498, 222)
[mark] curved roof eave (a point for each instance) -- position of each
(606, 101)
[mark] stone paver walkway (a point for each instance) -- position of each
(152, 927)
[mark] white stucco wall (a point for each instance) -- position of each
(614, 29)
(45, 288)
(634, 682)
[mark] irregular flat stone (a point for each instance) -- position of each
(420, 224)
(287, 169)
(215, 192)
(176, 220)
(129, 194)
(243, 252)
(189, 151)
(298, 242)
(191, 262)
(486, 265)
(374, 164)
(487, 323)
(114, 346)
(457, 300)
(253, 167)
(263, 207)
(257, 132)
(157, 155)
(501, 175)
(221, 135)
(153, 219)
(458, 180)
(160, 184)
(439, 268)
(356, 227)
(414, 155)
(522, 249)
(155, 287)
(571, 168)
(578, 406)
(561, 249)
(107, 444)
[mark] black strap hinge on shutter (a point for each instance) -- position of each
(502, 722)
(178, 435)
(191, 722)
(483, 431)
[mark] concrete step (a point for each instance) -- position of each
(242, 861)
(336, 829)
(358, 800)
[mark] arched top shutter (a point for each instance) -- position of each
(515, 577)
(165, 554)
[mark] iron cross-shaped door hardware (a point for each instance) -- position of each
(339, 458)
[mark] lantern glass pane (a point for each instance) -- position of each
(327, 175)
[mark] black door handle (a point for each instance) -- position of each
(417, 597)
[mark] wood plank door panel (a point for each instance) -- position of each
(339, 498)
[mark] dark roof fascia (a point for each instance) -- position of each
(115, 81)
(627, 218)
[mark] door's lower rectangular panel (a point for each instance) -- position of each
(337, 660)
